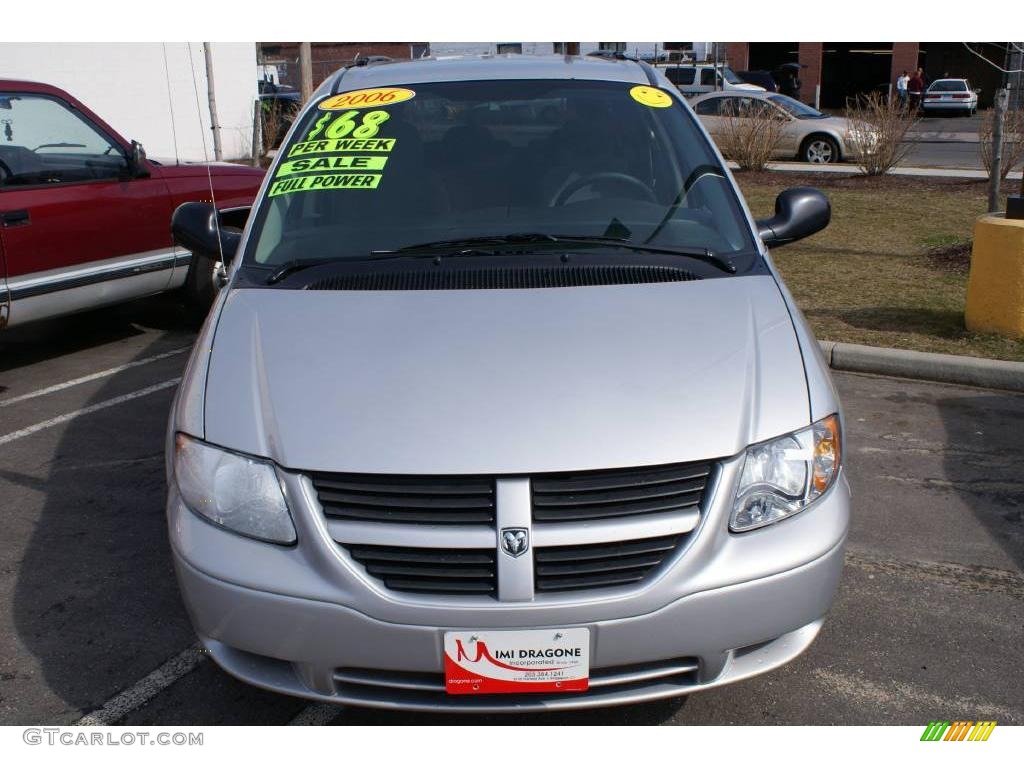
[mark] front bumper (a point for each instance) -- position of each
(304, 621)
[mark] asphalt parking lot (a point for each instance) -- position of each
(927, 625)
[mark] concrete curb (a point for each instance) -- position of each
(952, 137)
(905, 363)
(851, 170)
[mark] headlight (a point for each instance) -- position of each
(237, 492)
(784, 475)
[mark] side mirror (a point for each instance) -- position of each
(198, 227)
(799, 213)
(137, 161)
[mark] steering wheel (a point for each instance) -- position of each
(562, 196)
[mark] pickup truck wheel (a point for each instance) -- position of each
(205, 278)
(819, 149)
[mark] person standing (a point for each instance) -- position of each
(915, 87)
(901, 88)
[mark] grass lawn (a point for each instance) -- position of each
(891, 268)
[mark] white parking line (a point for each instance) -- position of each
(317, 714)
(12, 436)
(93, 376)
(148, 687)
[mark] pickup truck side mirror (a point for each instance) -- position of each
(799, 213)
(137, 161)
(200, 228)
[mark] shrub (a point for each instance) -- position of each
(878, 132)
(750, 133)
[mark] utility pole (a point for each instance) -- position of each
(995, 176)
(306, 70)
(218, 152)
(714, 48)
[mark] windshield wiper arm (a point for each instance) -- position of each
(295, 265)
(703, 254)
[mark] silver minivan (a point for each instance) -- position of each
(504, 405)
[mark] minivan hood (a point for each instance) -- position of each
(504, 381)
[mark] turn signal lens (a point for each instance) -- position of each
(826, 455)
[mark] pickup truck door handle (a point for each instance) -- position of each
(14, 218)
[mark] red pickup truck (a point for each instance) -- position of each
(85, 216)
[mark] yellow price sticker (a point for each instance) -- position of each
(650, 96)
(323, 181)
(335, 163)
(367, 97)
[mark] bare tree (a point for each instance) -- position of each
(750, 132)
(1013, 141)
(878, 132)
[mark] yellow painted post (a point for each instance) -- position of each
(995, 290)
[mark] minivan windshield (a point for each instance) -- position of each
(389, 168)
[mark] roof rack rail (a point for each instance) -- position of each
(652, 76)
(337, 80)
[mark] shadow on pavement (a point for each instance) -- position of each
(95, 601)
(49, 339)
(985, 460)
(650, 713)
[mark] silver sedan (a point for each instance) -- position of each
(807, 134)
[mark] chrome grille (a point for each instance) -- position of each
(440, 535)
(591, 566)
(604, 494)
(426, 499)
(437, 571)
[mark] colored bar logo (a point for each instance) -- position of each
(960, 730)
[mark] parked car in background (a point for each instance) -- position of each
(950, 95)
(85, 215)
(695, 79)
(759, 77)
(508, 416)
(807, 134)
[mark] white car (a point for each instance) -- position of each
(950, 95)
(696, 79)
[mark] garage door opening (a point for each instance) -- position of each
(850, 69)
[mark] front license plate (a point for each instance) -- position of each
(517, 661)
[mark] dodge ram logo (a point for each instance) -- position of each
(515, 541)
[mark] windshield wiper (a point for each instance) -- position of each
(295, 265)
(472, 246)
